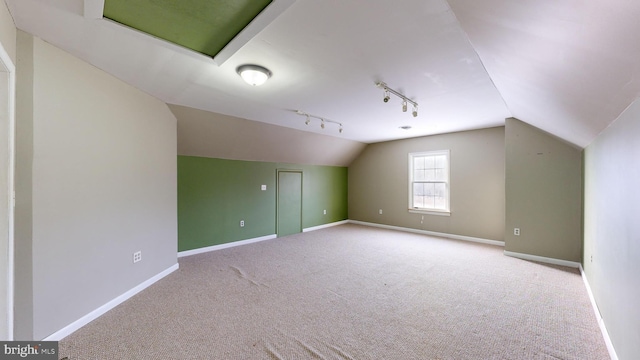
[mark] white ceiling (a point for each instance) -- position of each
(569, 67)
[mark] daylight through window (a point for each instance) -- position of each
(429, 181)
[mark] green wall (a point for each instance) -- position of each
(215, 194)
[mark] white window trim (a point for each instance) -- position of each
(447, 210)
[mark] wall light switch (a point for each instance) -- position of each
(263, 187)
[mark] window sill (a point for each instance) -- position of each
(431, 212)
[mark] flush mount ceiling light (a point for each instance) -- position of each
(323, 121)
(404, 99)
(254, 75)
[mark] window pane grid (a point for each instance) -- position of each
(429, 182)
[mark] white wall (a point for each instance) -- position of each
(206, 134)
(103, 186)
(612, 229)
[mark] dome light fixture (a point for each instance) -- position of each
(254, 75)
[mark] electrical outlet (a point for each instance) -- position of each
(591, 258)
(241, 223)
(263, 187)
(380, 211)
(137, 256)
(516, 231)
(324, 212)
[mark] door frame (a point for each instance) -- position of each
(278, 171)
(7, 66)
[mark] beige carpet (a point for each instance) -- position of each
(351, 292)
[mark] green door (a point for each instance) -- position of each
(289, 202)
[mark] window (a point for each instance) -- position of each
(429, 182)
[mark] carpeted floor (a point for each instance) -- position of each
(351, 292)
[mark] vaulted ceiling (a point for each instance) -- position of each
(569, 67)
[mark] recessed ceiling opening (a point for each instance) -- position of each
(200, 25)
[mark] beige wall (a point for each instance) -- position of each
(378, 179)
(543, 193)
(612, 229)
(7, 44)
(23, 308)
(103, 183)
(5, 262)
(205, 134)
(7, 31)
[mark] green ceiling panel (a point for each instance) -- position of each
(205, 26)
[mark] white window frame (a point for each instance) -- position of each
(447, 181)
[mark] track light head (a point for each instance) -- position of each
(323, 121)
(405, 100)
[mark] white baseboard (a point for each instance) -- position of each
(250, 241)
(225, 245)
(69, 329)
(603, 328)
(543, 259)
(431, 233)
(324, 226)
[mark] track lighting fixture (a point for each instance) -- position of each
(404, 99)
(323, 121)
